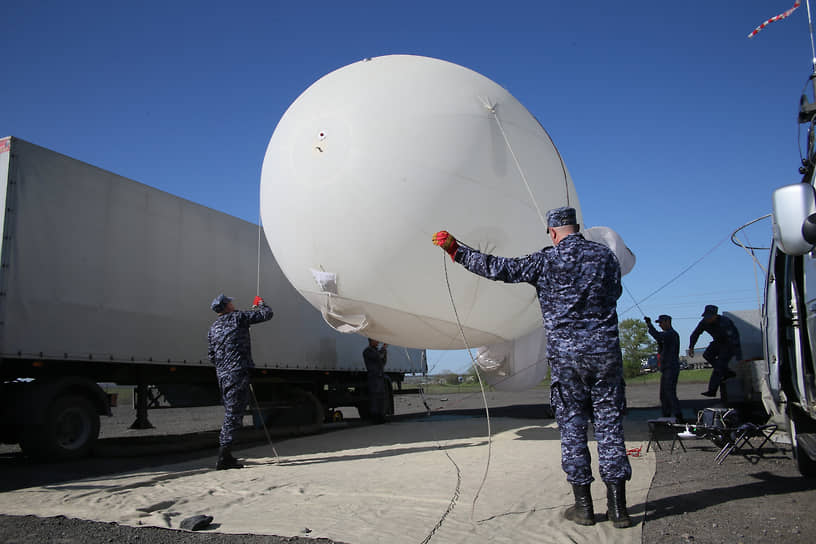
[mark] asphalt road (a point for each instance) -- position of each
(692, 499)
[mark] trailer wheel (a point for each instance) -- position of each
(70, 430)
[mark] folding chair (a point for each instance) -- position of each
(742, 436)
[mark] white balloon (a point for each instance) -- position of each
(516, 365)
(370, 161)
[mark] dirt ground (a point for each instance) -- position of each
(692, 499)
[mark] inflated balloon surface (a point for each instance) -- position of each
(375, 157)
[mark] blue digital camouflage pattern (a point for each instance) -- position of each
(230, 351)
(591, 389)
(668, 343)
(721, 350)
(229, 342)
(560, 217)
(235, 397)
(578, 284)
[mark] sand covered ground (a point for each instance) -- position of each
(385, 483)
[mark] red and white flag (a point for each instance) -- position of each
(775, 18)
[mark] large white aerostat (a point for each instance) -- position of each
(375, 157)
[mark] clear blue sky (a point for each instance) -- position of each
(674, 125)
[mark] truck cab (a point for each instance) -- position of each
(789, 312)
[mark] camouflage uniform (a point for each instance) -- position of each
(231, 352)
(668, 342)
(726, 345)
(578, 284)
(375, 360)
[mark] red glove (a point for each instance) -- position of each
(446, 241)
(257, 302)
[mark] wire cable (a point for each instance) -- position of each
(633, 299)
(676, 277)
(492, 109)
(258, 284)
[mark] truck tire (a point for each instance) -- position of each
(806, 465)
(798, 422)
(69, 431)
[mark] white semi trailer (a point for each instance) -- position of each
(106, 280)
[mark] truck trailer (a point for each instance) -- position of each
(107, 280)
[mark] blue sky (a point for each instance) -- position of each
(674, 125)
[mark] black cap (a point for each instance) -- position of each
(710, 310)
(663, 317)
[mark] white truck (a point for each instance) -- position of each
(106, 280)
(789, 310)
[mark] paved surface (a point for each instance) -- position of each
(746, 499)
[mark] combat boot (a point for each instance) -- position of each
(226, 460)
(616, 505)
(582, 511)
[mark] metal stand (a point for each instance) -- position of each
(659, 428)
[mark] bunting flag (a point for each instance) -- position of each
(775, 18)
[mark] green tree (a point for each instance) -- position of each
(636, 345)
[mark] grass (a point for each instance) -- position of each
(686, 376)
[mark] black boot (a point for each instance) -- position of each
(226, 460)
(581, 512)
(616, 505)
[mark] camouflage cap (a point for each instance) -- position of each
(220, 302)
(560, 217)
(710, 310)
(663, 317)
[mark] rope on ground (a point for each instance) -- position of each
(263, 422)
(481, 386)
(452, 503)
(457, 490)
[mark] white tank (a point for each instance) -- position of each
(375, 157)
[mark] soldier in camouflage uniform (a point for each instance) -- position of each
(231, 352)
(375, 359)
(668, 344)
(726, 345)
(578, 284)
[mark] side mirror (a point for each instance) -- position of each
(794, 218)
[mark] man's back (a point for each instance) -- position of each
(229, 340)
(578, 291)
(578, 285)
